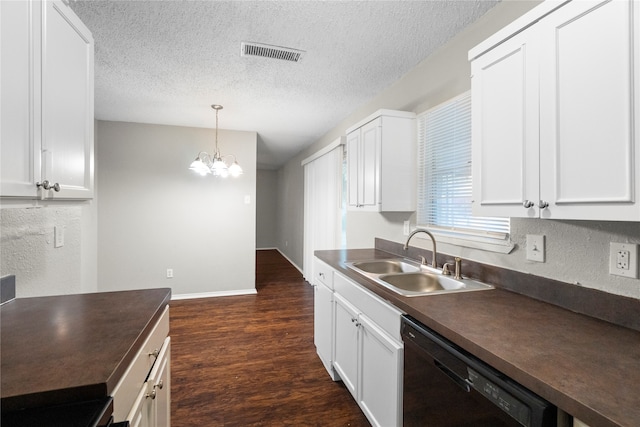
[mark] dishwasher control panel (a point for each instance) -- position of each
(504, 400)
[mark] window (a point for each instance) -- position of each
(444, 179)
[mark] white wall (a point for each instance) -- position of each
(577, 251)
(155, 214)
(27, 247)
(266, 209)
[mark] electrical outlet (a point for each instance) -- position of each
(407, 227)
(535, 248)
(623, 260)
(169, 273)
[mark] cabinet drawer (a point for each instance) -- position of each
(128, 389)
(379, 311)
(323, 273)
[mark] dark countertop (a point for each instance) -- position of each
(587, 367)
(64, 349)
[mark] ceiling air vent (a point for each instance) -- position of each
(269, 51)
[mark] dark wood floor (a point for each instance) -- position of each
(250, 360)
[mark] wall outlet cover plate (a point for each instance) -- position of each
(623, 260)
(535, 248)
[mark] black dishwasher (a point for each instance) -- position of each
(445, 386)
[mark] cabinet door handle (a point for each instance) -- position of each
(528, 204)
(155, 353)
(47, 185)
(153, 393)
(543, 205)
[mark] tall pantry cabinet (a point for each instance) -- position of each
(47, 102)
(556, 123)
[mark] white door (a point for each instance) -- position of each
(589, 153)
(504, 96)
(380, 376)
(345, 359)
(19, 76)
(67, 102)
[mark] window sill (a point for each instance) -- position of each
(503, 246)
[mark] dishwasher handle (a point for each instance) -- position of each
(463, 383)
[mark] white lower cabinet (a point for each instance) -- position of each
(380, 375)
(345, 360)
(142, 396)
(368, 351)
(323, 316)
(152, 405)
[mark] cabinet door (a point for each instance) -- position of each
(345, 360)
(370, 170)
(353, 168)
(159, 387)
(380, 376)
(19, 141)
(323, 325)
(67, 102)
(504, 94)
(140, 415)
(589, 123)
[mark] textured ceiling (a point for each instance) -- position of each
(166, 62)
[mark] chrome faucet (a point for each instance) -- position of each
(433, 239)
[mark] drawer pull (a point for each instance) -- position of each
(153, 393)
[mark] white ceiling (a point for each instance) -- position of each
(166, 62)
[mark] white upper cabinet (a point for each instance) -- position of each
(505, 132)
(47, 101)
(19, 143)
(381, 162)
(555, 114)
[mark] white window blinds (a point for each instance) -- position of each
(444, 168)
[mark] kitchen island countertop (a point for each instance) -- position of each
(64, 349)
(587, 367)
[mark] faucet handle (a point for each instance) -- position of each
(445, 269)
(423, 260)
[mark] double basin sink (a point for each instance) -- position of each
(409, 278)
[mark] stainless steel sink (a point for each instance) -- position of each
(421, 282)
(409, 278)
(386, 266)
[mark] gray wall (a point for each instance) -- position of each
(266, 209)
(155, 213)
(577, 252)
(290, 210)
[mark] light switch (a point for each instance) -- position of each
(535, 248)
(247, 199)
(58, 236)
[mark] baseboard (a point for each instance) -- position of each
(214, 294)
(290, 262)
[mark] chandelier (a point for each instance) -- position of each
(207, 164)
